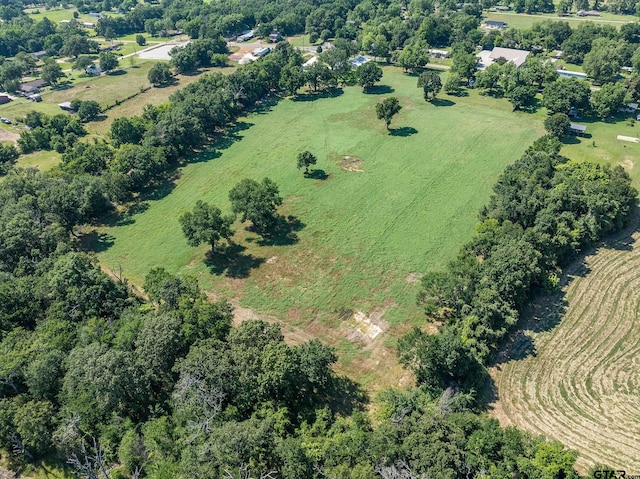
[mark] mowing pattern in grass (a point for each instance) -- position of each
(363, 233)
(580, 381)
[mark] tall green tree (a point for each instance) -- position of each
(51, 72)
(387, 109)
(368, 75)
(108, 61)
(607, 99)
(206, 224)
(256, 202)
(557, 125)
(430, 83)
(305, 160)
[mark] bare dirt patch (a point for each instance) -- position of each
(8, 136)
(413, 278)
(351, 163)
(364, 328)
(627, 163)
(366, 331)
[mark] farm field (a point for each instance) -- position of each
(401, 204)
(578, 381)
(523, 20)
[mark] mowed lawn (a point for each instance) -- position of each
(601, 145)
(367, 234)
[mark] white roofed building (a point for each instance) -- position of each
(487, 57)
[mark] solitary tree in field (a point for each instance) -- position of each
(305, 160)
(368, 75)
(256, 202)
(388, 109)
(430, 83)
(205, 224)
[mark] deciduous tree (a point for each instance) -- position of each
(305, 160)
(206, 224)
(387, 109)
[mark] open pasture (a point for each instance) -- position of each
(366, 232)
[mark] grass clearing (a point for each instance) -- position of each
(105, 89)
(43, 160)
(581, 383)
(409, 209)
(608, 149)
(524, 20)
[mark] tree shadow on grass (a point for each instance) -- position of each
(332, 93)
(379, 90)
(220, 142)
(317, 175)
(282, 233)
(96, 241)
(231, 261)
(574, 139)
(346, 396)
(403, 131)
(442, 102)
(172, 82)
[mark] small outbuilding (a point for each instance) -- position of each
(244, 36)
(495, 25)
(35, 97)
(576, 129)
(31, 87)
(65, 105)
(629, 108)
(93, 70)
(435, 53)
(275, 37)
(571, 74)
(261, 51)
(4, 98)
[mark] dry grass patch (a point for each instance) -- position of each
(579, 381)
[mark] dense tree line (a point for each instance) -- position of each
(545, 209)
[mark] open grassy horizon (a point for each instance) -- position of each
(409, 210)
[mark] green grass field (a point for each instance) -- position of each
(409, 209)
(601, 144)
(58, 14)
(43, 160)
(522, 20)
(105, 89)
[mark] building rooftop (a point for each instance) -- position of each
(512, 55)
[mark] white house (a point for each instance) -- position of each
(512, 55)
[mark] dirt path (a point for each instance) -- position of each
(8, 136)
(573, 374)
